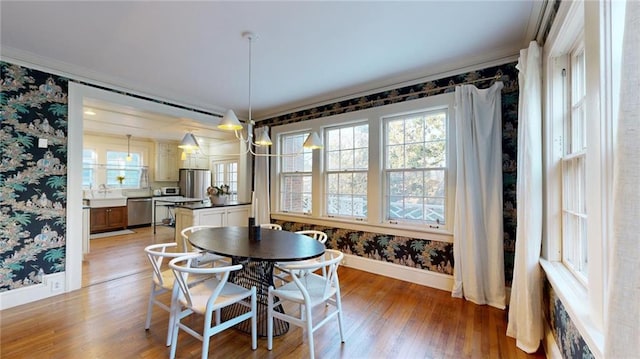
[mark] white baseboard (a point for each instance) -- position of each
(551, 348)
(408, 274)
(53, 284)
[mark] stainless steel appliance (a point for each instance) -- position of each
(193, 183)
(170, 191)
(138, 211)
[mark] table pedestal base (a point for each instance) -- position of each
(260, 275)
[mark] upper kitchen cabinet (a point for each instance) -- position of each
(167, 164)
(197, 160)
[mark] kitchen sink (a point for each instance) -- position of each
(106, 202)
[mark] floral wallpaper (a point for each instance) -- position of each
(33, 193)
(434, 256)
(567, 336)
(409, 251)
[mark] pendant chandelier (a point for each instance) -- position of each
(230, 121)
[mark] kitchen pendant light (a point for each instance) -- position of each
(189, 143)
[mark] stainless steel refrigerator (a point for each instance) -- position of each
(193, 183)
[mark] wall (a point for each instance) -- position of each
(565, 333)
(420, 253)
(33, 180)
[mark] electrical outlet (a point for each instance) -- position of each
(56, 286)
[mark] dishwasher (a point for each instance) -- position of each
(138, 212)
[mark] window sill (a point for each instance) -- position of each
(382, 228)
(575, 299)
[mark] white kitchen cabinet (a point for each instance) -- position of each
(197, 160)
(214, 216)
(238, 216)
(166, 162)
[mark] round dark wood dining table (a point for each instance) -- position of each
(258, 258)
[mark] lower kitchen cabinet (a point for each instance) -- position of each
(108, 219)
(222, 216)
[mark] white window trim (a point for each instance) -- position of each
(585, 305)
(375, 179)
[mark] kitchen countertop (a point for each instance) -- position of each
(196, 206)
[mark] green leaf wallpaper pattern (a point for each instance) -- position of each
(33, 194)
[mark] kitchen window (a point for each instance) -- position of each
(123, 173)
(89, 161)
(226, 173)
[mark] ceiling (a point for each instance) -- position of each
(306, 52)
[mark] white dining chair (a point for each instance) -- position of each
(207, 258)
(281, 272)
(271, 226)
(309, 290)
(163, 281)
(208, 298)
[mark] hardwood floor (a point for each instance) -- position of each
(384, 318)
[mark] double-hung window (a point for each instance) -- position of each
(347, 166)
(581, 62)
(121, 172)
(415, 168)
(89, 161)
(574, 212)
(226, 173)
(389, 166)
(295, 174)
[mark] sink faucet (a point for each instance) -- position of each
(103, 189)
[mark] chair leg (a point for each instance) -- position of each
(309, 330)
(174, 335)
(254, 317)
(339, 307)
(152, 297)
(206, 335)
(173, 309)
(270, 319)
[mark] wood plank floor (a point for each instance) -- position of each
(384, 318)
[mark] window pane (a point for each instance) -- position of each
(123, 173)
(226, 173)
(395, 157)
(89, 161)
(295, 169)
(415, 164)
(347, 159)
(296, 193)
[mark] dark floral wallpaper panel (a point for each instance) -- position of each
(567, 336)
(33, 178)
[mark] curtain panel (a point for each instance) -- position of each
(261, 184)
(525, 307)
(478, 246)
(622, 334)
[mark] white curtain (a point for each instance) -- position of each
(622, 338)
(525, 307)
(478, 234)
(261, 184)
